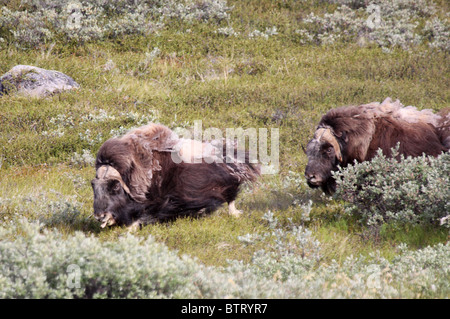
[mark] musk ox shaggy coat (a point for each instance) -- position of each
(151, 175)
(346, 134)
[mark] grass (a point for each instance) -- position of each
(225, 82)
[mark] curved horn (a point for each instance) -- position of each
(106, 171)
(303, 148)
(327, 135)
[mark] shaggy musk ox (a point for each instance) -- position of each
(150, 175)
(346, 134)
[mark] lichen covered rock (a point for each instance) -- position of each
(36, 82)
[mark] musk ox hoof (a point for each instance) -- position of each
(134, 227)
(233, 211)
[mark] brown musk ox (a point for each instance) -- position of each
(355, 133)
(151, 175)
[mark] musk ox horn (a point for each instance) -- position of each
(106, 172)
(328, 136)
(303, 148)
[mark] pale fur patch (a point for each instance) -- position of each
(398, 111)
(154, 137)
(193, 151)
(108, 220)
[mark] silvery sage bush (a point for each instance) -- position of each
(293, 250)
(38, 262)
(409, 191)
(41, 263)
(51, 208)
(388, 24)
(438, 33)
(38, 22)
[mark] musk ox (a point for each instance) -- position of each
(350, 133)
(151, 175)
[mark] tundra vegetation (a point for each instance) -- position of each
(254, 63)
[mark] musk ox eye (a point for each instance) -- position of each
(329, 151)
(114, 186)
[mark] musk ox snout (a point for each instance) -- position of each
(106, 219)
(110, 198)
(317, 175)
(313, 178)
(320, 178)
(102, 203)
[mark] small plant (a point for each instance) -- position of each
(149, 60)
(266, 34)
(227, 31)
(82, 160)
(438, 34)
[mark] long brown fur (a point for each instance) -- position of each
(160, 188)
(360, 131)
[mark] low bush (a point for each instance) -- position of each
(409, 191)
(388, 24)
(37, 262)
(38, 22)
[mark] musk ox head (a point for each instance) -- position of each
(113, 203)
(324, 155)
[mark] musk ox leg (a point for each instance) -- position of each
(141, 222)
(134, 227)
(232, 210)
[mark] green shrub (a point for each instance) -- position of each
(409, 191)
(387, 24)
(38, 22)
(36, 262)
(43, 264)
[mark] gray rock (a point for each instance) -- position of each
(36, 82)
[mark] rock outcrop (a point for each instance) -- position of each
(36, 82)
